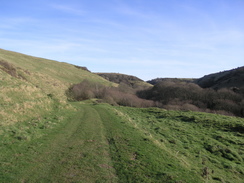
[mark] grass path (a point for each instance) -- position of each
(100, 143)
(136, 158)
(76, 152)
(92, 144)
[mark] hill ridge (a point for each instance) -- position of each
(224, 79)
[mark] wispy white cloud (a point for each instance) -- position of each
(68, 8)
(13, 22)
(127, 36)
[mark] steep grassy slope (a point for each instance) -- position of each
(61, 71)
(31, 86)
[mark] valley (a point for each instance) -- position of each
(63, 123)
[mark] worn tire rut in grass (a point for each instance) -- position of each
(102, 143)
(92, 144)
(77, 152)
(136, 157)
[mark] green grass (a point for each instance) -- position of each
(102, 143)
(61, 147)
(136, 158)
(197, 141)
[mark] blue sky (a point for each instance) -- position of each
(145, 38)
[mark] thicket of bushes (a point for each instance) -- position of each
(166, 94)
(190, 96)
(121, 95)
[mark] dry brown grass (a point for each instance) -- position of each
(31, 86)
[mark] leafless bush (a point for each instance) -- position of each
(82, 91)
(112, 95)
(9, 68)
(222, 112)
(171, 107)
(190, 107)
(189, 96)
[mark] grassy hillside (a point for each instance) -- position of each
(31, 86)
(57, 70)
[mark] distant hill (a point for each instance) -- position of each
(221, 92)
(233, 78)
(225, 79)
(175, 80)
(129, 80)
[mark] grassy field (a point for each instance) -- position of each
(70, 147)
(101, 143)
(46, 138)
(208, 145)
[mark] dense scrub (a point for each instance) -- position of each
(158, 80)
(173, 95)
(121, 95)
(189, 96)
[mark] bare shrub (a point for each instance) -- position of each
(173, 96)
(227, 105)
(189, 96)
(190, 107)
(222, 112)
(225, 93)
(9, 68)
(82, 91)
(171, 107)
(181, 105)
(112, 95)
(109, 100)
